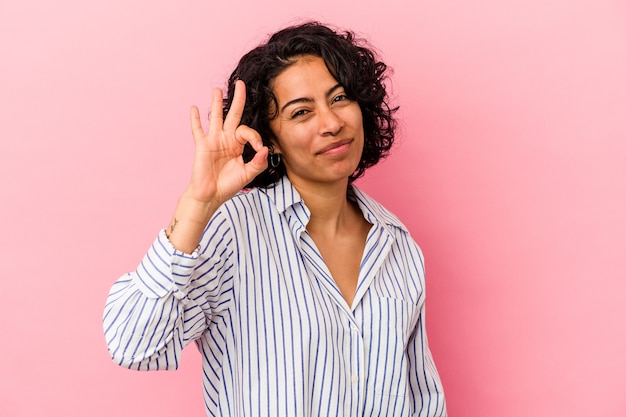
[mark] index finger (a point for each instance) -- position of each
(196, 124)
(236, 107)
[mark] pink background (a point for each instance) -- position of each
(510, 171)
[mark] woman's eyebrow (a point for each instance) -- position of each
(330, 91)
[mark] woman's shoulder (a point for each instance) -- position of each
(247, 205)
(245, 199)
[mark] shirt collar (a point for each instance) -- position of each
(374, 212)
(285, 196)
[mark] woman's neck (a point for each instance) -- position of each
(331, 211)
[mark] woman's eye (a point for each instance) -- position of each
(299, 113)
(340, 97)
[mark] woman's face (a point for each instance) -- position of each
(318, 129)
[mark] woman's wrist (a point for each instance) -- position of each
(189, 221)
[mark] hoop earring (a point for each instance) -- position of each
(274, 160)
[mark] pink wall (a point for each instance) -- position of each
(510, 173)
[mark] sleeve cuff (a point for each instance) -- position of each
(165, 270)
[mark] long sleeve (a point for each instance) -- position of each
(153, 312)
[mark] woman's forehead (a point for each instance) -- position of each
(305, 76)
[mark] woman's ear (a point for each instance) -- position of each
(274, 146)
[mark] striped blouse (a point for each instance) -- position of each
(276, 336)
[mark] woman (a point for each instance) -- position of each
(304, 295)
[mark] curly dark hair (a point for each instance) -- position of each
(349, 60)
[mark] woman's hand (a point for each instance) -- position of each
(219, 171)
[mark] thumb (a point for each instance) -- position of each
(258, 163)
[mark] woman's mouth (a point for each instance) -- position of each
(336, 148)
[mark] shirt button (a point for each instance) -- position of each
(355, 379)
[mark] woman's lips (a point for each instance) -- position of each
(336, 147)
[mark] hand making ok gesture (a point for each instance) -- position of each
(218, 171)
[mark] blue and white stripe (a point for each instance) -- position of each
(276, 336)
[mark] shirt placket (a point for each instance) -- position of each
(357, 369)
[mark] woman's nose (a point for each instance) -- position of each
(330, 123)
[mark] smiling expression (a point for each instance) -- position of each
(318, 128)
